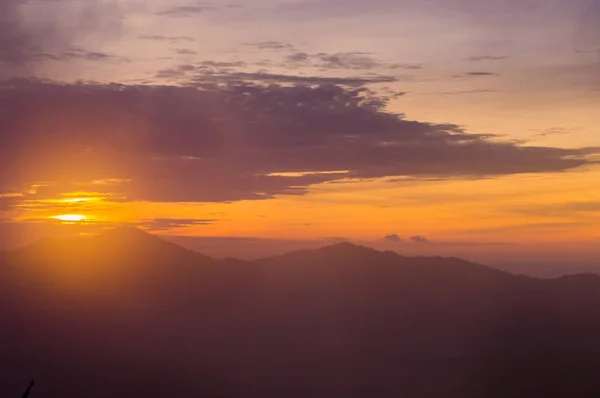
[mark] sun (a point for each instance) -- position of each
(70, 217)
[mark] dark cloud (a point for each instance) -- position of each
(393, 238)
(186, 11)
(172, 39)
(228, 141)
(178, 72)
(78, 54)
(272, 45)
(419, 239)
(204, 70)
(292, 79)
(298, 57)
(350, 60)
(406, 66)
(224, 64)
(221, 72)
(479, 74)
(345, 60)
(185, 51)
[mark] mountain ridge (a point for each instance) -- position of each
(132, 239)
(339, 321)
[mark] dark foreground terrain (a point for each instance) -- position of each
(127, 314)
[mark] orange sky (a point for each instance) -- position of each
(530, 81)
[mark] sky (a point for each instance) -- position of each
(451, 127)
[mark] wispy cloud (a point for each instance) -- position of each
(476, 74)
(186, 11)
(185, 51)
(272, 45)
(345, 60)
(172, 39)
(293, 79)
(481, 58)
(228, 71)
(167, 224)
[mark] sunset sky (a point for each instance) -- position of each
(452, 127)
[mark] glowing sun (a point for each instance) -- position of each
(70, 217)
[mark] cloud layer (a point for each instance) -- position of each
(232, 142)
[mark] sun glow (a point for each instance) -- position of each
(77, 200)
(70, 217)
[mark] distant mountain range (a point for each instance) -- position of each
(127, 314)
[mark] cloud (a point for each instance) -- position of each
(172, 39)
(350, 60)
(387, 92)
(205, 70)
(419, 239)
(554, 131)
(220, 72)
(345, 60)
(186, 11)
(393, 238)
(477, 74)
(229, 141)
(224, 64)
(293, 79)
(481, 58)
(167, 224)
(272, 45)
(298, 57)
(406, 66)
(78, 54)
(185, 51)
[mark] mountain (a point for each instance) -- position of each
(129, 314)
(117, 244)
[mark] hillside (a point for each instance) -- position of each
(128, 314)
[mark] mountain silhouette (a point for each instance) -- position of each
(127, 313)
(118, 242)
